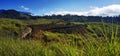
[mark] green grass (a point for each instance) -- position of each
(68, 45)
(12, 27)
(39, 21)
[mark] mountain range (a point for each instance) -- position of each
(14, 14)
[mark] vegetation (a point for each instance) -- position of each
(102, 40)
(10, 27)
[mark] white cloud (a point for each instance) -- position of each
(111, 10)
(25, 8)
(93, 7)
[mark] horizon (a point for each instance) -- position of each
(63, 7)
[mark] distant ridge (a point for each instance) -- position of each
(2, 10)
(14, 14)
(11, 13)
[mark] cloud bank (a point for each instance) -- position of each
(111, 10)
(25, 8)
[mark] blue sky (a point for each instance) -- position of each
(41, 7)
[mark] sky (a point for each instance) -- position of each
(74, 7)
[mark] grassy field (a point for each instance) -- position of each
(68, 45)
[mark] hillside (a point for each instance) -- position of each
(102, 37)
(56, 35)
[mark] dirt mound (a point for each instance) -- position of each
(38, 31)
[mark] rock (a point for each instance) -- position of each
(25, 32)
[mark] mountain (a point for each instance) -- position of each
(27, 13)
(2, 11)
(21, 12)
(13, 14)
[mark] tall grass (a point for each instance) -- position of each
(92, 44)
